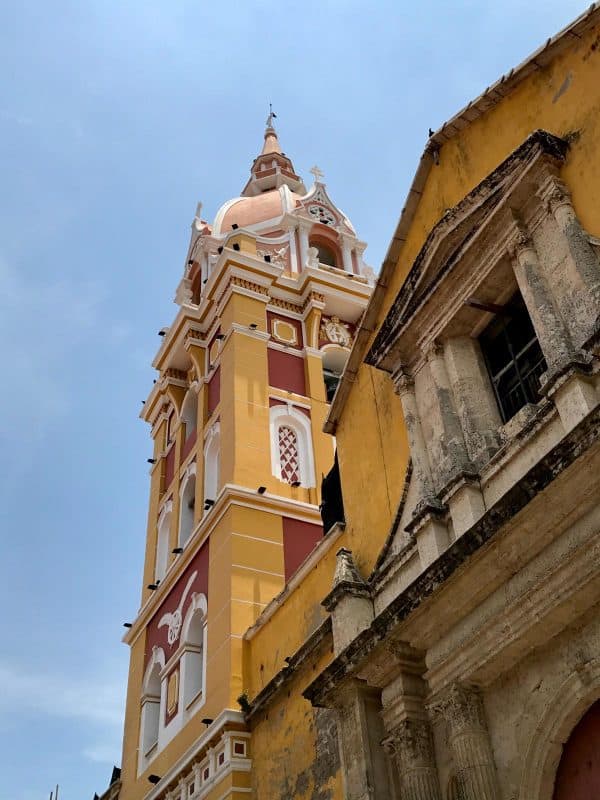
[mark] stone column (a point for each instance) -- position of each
(470, 743)
(405, 389)
(360, 728)
(582, 255)
(453, 445)
(549, 326)
(303, 229)
(411, 746)
(295, 266)
(346, 254)
(475, 402)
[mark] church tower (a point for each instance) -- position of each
(271, 294)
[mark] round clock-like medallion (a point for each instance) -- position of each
(322, 214)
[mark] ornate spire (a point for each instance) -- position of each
(272, 168)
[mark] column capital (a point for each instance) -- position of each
(403, 382)
(433, 349)
(520, 243)
(461, 707)
(411, 742)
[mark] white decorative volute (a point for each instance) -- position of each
(174, 619)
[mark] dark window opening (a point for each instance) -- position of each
(332, 503)
(331, 381)
(326, 255)
(514, 358)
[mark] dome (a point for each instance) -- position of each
(248, 211)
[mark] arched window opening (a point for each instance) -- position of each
(162, 542)
(326, 253)
(292, 458)
(186, 508)
(334, 361)
(289, 456)
(150, 718)
(189, 412)
(170, 426)
(211, 467)
(192, 659)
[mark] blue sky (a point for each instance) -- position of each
(115, 119)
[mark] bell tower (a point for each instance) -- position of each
(271, 294)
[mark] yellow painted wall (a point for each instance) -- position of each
(295, 749)
(372, 446)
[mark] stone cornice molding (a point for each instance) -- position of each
(525, 491)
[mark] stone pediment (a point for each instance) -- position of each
(507, 189)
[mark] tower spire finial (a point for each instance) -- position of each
(271, 117)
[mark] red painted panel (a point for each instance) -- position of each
(156, 635)
(578, 775)
(299, 539)
(286, 371)
(188, 445)
(214, 391)
(170, 465)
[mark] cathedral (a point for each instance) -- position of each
(372, 562)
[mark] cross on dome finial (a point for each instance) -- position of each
(318, 174)
(271, 117)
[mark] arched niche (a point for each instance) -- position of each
(193, 659)
(187, 504)
(189, 411)
(150, 711)
(212, 459)
(162, 541)
(292, 459)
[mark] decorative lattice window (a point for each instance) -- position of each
(289, 456)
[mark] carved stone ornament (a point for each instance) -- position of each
(278, 257)
(313, 257)
(462, 709)
(402, 381)
(174, 619)
(336, 332)
(321, 214)
(411, 742)
(558, 196)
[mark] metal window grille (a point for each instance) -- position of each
(289, 457)
(514, 358)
